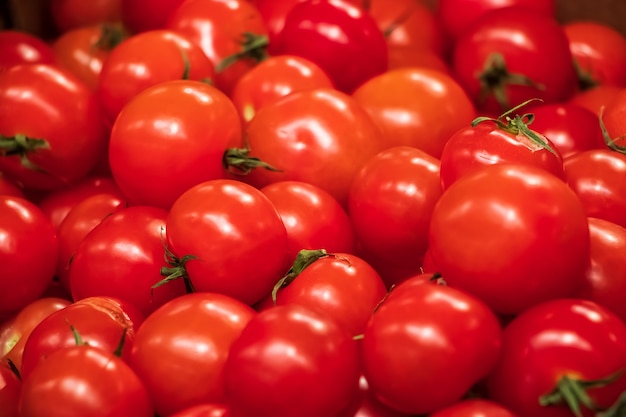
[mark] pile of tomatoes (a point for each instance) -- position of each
(313, 208)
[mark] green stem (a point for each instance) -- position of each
(177, 270)
(238, 161)
(21, 145)
(253, 47)
(304, 259)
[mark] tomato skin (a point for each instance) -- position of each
(71, 14)
(50, 103)
(143, 15)
(10, 388)
(352, 52)
(203, 410)
(598, 177)
(84, 381)
(195, 332)
(28, 248)
(477, 407)
(404, 367)
(17, 47)
(416, 106)
(236, 235)
(185, 125)
(560, 337)
(262, 380)
(596, 97)
(321, 136)
(313, 218)
(515, 221)
(8, 187)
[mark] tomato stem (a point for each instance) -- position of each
(610, 142)
(253, 47)
(14, 369)
(304, 258)
(111, 35)
(238, 161)
(618, 409)
(121, 343)
(176, 270)
(22, 145)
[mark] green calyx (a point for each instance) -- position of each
(610, 142)
(303, 260)
(238, 161)
(252, 47)
(22, 145)
(518, 125)
(176, 270)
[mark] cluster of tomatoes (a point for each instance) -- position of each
(313, 208)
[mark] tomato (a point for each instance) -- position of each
(475, 407)
(194, 333)
(144, 15)
(406, 56)
(504, 47)
(100, 321)
(552, 350)
(174, 134)
(51, 129)
(273, 78)
(17, 47)
(599, 52)
(10, 387)
(596, 97)
(416, 106)
(81, 220)
(452, 339)
(84, 381)
(605, 278)
(232, 34)
(320, 136)
(28, 253)
(147, 59)
(390, 204)
(8, 187)
(291, 362)
(341, 38)
(512, 234)
(341, 285)
(366, 405)
(84, 50)
(72, 14)
(598, 177)
(203, 410)
(226, 236)
(507, 139)
(15, 331)
(613, 122)
(314, 219)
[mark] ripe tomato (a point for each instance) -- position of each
(8, 187)
(10, 389)
(72, 14)
(596, 97)
(226, 236)
(504, 48)
(320, 136)
(613, 121)
(291, 362)
(232, 34)
(390, 204)
(366, 405)
(203, 410)
(605, 279)
(551, 350)
(512, 234)
(314, 219)
(416, 106)
(475, 407)
(506, 139)
(343, 39)
(122, 257)
(144, 15)
(175, 134)
(195, 333)
(408, 352)
(51, 131)
(17, 47)
(84, 381)
(28, 253)
(147, 59)
(273, 78)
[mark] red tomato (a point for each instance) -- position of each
(195, 333)
(515, 221)
(416, 106)
(343, 39)
(8, 187)
(174, 134)
(226, 236)
(475, 407)
(423, 337)
(144, 15)
(84, 50)
(291, 362)
(314, 219)
(605, 279)
(10, 388)
(555, 347)
(613, 120)
(17, 47)
(366, 405)
(72, 14)
(28, 253)
(232, 34)
(320, 136)
(84, 381)
(507, 139)
(51, 128)
(497, 60)
(599, 52)
(15, 331)
(203, 410)
(598, 177)
(273, 78)
(406, 56)
(390, 204)
(145, 60)
(122, 257)
(100, 321)
(341, 285)
(597, 97)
